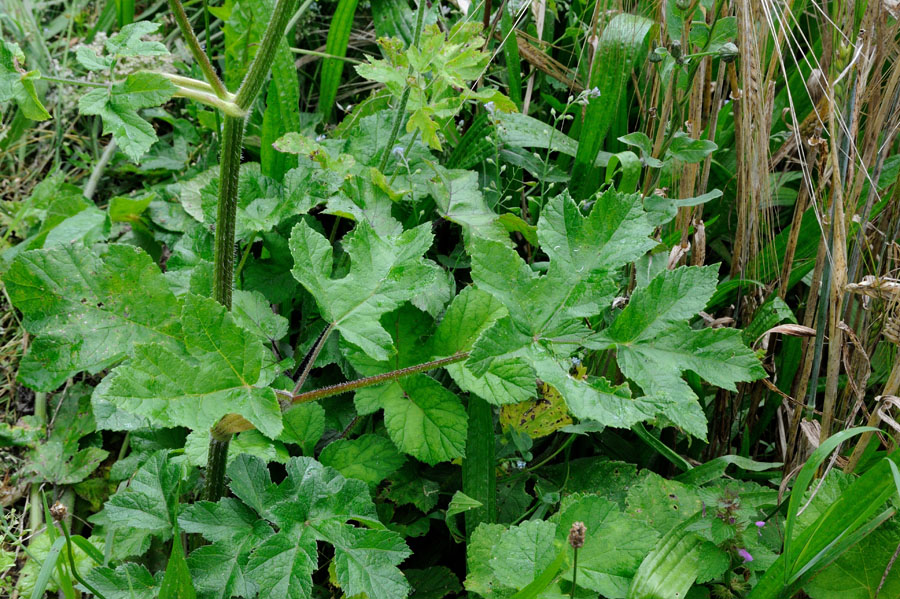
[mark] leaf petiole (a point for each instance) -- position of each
(235, 423)
(73, 82)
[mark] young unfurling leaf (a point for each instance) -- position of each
(18, 84)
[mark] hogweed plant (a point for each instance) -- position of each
(390, 261)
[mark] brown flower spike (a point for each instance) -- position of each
(576, 535)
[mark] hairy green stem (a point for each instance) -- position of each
(91, 188)
(376, 379)
(404, 99)
(193, 44)
(73, 82)
(215, 467)
(314, 354)
(223, 277)
(227, 107)
(229, 174)
(234, 423)
(34, 497)
(191, 83)
(259, 70)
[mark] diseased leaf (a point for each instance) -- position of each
(88, 312)
(218, 370)
(662, 504)
(537, 417)
(479, 551)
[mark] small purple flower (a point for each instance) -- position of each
(746, 555)
(760, 523)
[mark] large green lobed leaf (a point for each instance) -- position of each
(88, 311)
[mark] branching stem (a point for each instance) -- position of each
(190, 38)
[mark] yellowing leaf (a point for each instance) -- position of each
(537, 417)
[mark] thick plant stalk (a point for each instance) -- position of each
(259, 70)
(229, 174)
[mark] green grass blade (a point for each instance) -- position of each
(537, 586)
(671, 568)
(511, 56)
(844, 523)
(46, 571)
(805, 478)
(176, 583)
(124, 12)
(622, 44)
(336, 45)
(661, 448)
(394, 19)
(479, 477)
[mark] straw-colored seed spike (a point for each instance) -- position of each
(892, 329)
